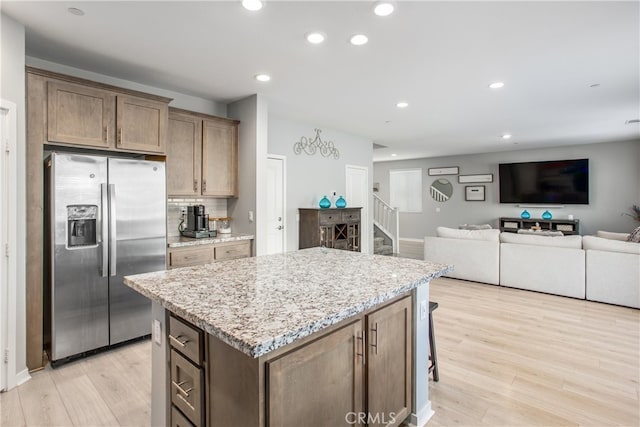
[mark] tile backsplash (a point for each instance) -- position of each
(213, 207)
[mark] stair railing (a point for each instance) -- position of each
(387, 219)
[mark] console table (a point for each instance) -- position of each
(330, 228)
(567, 226)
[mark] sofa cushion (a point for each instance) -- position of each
(612, 235)
(452, 233)
(608, 245)
(540, 233)
(634, 236)
(474, 227)
(574, 242)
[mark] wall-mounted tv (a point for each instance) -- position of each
(563, 182)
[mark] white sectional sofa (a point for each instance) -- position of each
(554, 265)
(475, 254)
(613, 269)
(603, 268)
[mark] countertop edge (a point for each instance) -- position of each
(265, 347)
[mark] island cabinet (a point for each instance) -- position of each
(202, 155)
(88, 114)
(357, 372)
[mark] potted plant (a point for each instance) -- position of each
(634, 212)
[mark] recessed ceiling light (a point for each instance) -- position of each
(393, 155)
(316, 37)
(358, 39)
(506, 136)
(252, 5)
(263, 77)
(384, 8)
(496, 85)
(75, 11)
(402, 104)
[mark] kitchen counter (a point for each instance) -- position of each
(259, 304)
(179, 241)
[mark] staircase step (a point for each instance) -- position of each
(383, 250)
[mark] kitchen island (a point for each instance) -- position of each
(311, 337)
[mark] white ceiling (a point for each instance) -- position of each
(438, 56)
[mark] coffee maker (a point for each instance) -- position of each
(197, 223)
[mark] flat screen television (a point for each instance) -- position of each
(563, 182)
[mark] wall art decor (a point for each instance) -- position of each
(474, 193)
(450, 170)
(467, 179)
(312, 146)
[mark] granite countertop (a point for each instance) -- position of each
(262, 303)
(179, 241)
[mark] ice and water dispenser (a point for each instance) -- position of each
(81, 225)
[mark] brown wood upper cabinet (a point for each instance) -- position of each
(80, 114)
(202, 155)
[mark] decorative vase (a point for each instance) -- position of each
(547, 215)
(341, 203)
(525, 214)
(325, 203)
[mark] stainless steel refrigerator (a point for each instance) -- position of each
(106, 219)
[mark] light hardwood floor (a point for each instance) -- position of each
(507, 358)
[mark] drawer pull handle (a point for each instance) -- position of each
(177, 340)
(180, 389)
(186, 402)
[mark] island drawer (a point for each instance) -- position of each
(186, 388)
(179, 420)
(235, 250)
(186, 339)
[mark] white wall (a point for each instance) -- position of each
(12, 88)
(180, 100)
(614, 187)
(252, 158)
(311, 177)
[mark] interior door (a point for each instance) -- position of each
(276, 234)
(138, 201)
(4, 282)
(357, 194)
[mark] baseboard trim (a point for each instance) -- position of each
(22, 377)
(422, 417)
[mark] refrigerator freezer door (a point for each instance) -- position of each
(79, 292)
(139, 196)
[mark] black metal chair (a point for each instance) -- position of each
(433, 358)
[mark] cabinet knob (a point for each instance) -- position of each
(195, 185)
(204, 185)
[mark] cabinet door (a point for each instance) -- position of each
(184, 149)
(219, 158)
(80, 115)
(142, 124)
(332, 366)
(389, 385)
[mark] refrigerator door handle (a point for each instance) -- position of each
(112, 229)
(105, 230)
